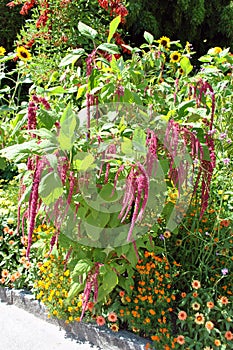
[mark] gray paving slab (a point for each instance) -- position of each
(21, 330)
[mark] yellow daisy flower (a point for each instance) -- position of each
(2, 51)
(175, 57)
(23, 53)
(164, 41)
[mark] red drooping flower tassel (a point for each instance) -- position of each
(91, 283)
(33, 202)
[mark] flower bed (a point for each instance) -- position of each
(125, 188)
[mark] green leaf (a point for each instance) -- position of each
(110, 48)
(7, 58)
(75, 289)
(127, 146)
(2, 163)
(20, 151)
(149, 37)
(56, 90)
(72, 57)
(186, 65)
(50, 188)
(66, 135)
(110, 280)
(139, 140)
(87, 162)
(86, 30)
(81, 91)
(83, 266)
(113, 27)
(106, 193)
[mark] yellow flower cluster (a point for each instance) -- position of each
(53, 287)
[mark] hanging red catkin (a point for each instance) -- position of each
(129, 196)
(33, 204)
(91, 282)
(145, 184)
(151, 157)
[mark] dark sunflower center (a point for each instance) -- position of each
(164, 42)
(24, 54)
(175, 57)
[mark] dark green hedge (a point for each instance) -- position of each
(204, 23)
(10, 23)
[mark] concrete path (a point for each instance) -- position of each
(20, 330)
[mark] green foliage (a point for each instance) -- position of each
(86, 145)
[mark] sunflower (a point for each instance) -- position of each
(2, 51)
(175, 57)
(164, 41)
(23, 53)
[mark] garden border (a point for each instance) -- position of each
(102, 337)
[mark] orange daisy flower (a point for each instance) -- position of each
(180, 339)
(114, 327)
(217, 342)
(196, 284)
(112, 317)
(199, 318)
(224, 300)
(229, 335)
(100, 320)
(209, 325)
(210, 305)
(5, 273)
(182, 315)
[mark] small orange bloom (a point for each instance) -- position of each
(121, 293)
(199, 318)
(114, 327)
(217, 342)
(17, 274)
(182, 315)
(209, 325)
(100, 320)
(196, 284)
(180, 339)
(5, 273)
(224, 300)
(210, 305)
(90, 305)
(155, 338)
(229, 335)
(12, 278)
(112, 317)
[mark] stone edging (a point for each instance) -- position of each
(102, 337)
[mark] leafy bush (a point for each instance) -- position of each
(129, 237)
